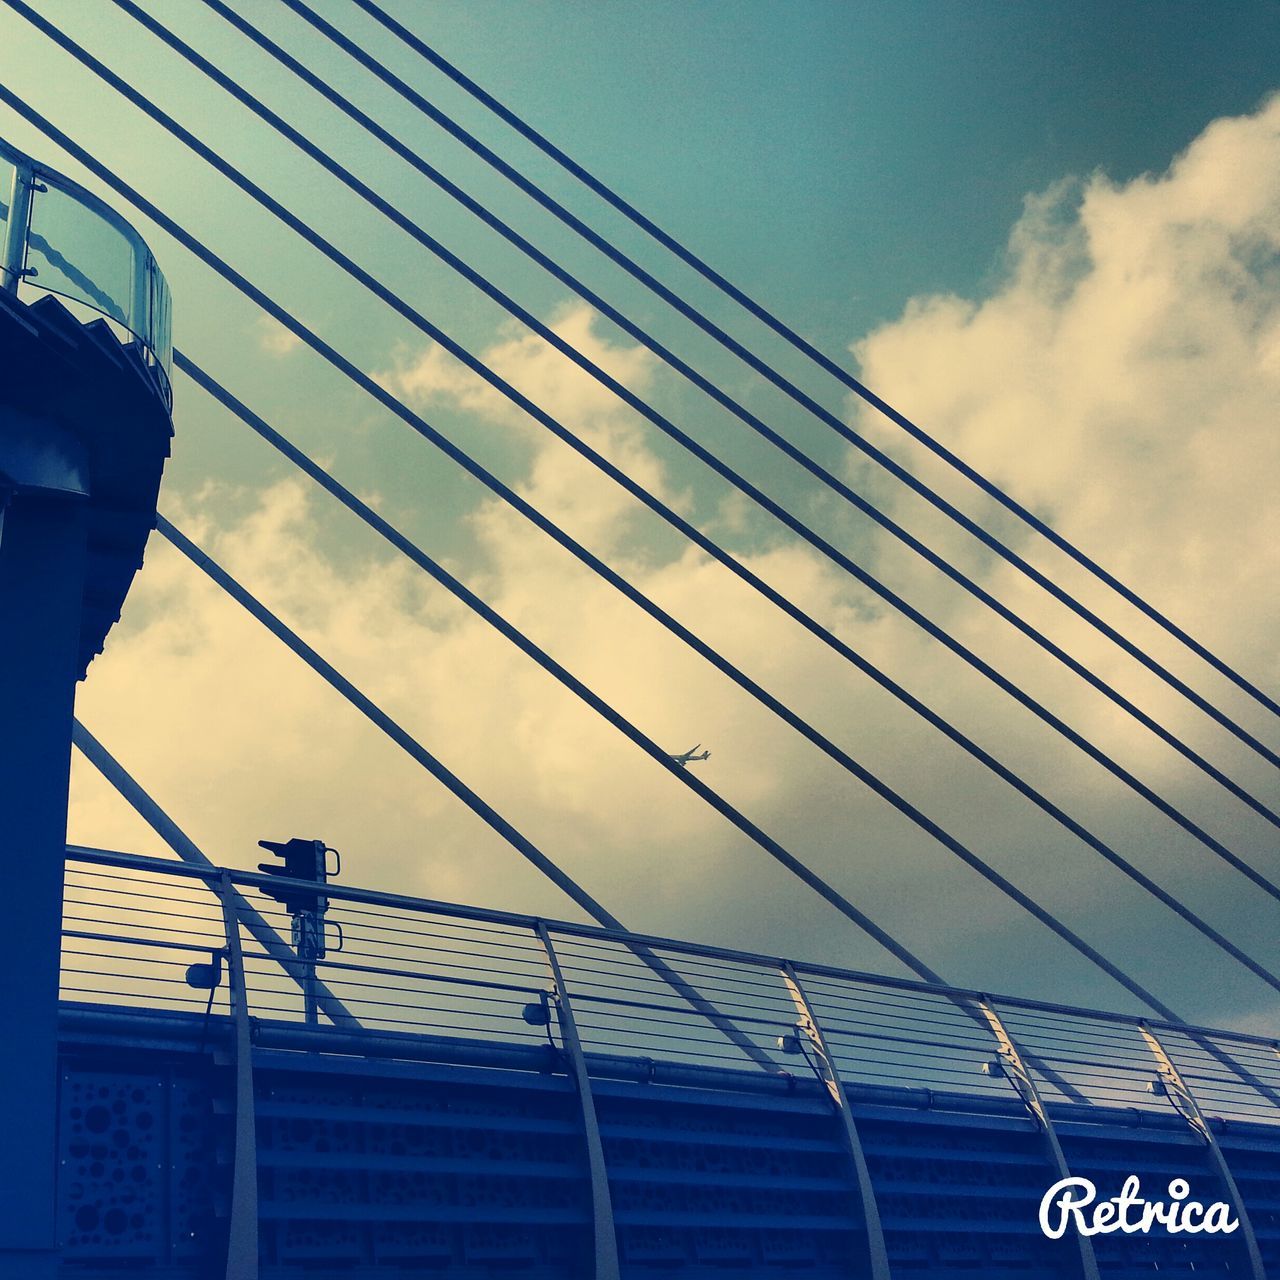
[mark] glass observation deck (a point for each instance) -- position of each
(56, 237)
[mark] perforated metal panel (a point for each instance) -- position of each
(374, 1168)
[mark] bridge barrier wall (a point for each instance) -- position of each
(431, 1119)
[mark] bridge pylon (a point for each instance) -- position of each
(85, 426)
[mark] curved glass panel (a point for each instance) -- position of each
(71, 251)
(59, 238)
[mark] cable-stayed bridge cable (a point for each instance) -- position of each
(521, 843)
(399, 736)
(398, 217)
(486, 812)
(477, 605)
(416, 318)
(593, 562)
(1077, 943)
(801, 344)
(403, 739)
(851, 437)
(473, 801)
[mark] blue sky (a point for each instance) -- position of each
(838, 158)
(878, 151)
(879, 175)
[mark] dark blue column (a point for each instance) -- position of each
(42, 556)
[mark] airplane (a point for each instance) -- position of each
(688, 757)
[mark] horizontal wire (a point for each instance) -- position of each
(433, 950)
(190, 933)
(348, 978)
(352, 989)
(460, 926)
(586, 987)
(145, 897)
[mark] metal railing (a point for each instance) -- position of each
(402, 967)
(56, 237)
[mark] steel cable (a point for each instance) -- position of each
(761, 313)
(635, 489)
(633, 401)
(367, 515)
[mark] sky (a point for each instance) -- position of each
(1046, 232)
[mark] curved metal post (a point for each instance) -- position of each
(1184, 1102)
(242, 1235)
(606, 1243)
(1024, 1085)
(877, 1251)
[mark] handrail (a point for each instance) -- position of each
(517, 920)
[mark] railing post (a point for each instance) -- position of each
(140, 298)
(242, 1235)
(14, 253)
(606, 1243)
(1184, 1103)
(877, 1251)
(1024, 1085)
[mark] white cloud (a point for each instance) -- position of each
(535, 369)
(1123, 378)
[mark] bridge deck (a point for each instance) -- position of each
(436, 1129)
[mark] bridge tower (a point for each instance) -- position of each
(85, 426)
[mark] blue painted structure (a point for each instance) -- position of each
(84, 433)
(440, 1131)
(492, 1094)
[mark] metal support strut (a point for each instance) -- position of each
(877, 1251)
(1024, 1085)
(606, 1243)
(13, 254)
(242, 1236)
(1184, 1103)
(306, 928)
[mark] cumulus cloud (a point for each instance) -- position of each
(1122, 379)
(559, 482)
(549, 379)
